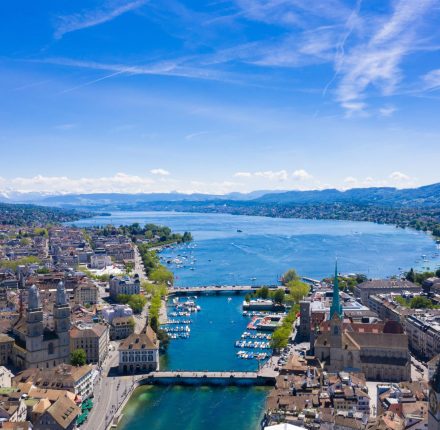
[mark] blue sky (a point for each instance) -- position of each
(218, 96)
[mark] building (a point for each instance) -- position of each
(5, 377)
(125, 285)
(382, 355)
(100, 260)
(116, 311)
(93, 339)
(434, 400)
(78, 380)
(61, 415)
(86, 294)
(384, 286)
(6, 344)
(139, 352)
(37, 344)
(423, 329)
(121, 327)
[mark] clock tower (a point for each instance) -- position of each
(434, 400)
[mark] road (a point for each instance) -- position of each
(110, 391)
(416, 374)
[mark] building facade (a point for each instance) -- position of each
(381, 355)
(93, 339)
(139, 353)
(37, 345)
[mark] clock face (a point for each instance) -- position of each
(433, 404)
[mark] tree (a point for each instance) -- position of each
(420, 302)
(247, 298)
(437, 273)
(263, 292)
(278, 296)
(78, 357)
(297, 290)
(161, 274)
(153, 323)
(289, 276)
(410, 276)
(137, 302)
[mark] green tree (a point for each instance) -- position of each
(410, 276)
(289, 276)
(137, 302)
(297, 290)
(247, 298)
(278, 296)
(420, 302)
(437, 273)
(162, 275)
(154, 323)
(78, 357)
(263, 292)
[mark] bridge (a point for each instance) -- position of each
(265, 376)
(217, 289)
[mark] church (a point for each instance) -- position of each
(379, 350)
(36, 344)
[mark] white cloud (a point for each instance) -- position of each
(432, 80)
(399, 176)
(301, 175)
(376, 62)
(387, 110)
(121, 182)
(85, 19)
(280, 175)
(160, 172)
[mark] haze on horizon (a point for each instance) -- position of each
(213, 97)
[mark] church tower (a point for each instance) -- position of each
(34, 325)
(434, 400)
(336, 307)
(61, 314)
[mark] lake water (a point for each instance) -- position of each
(264, 249)
(267, 247)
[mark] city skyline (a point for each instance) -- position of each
(145, 96)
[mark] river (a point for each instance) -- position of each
(231, 249)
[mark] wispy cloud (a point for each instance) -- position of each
(276, 175)
(377, 61)
(90, 18)
(431, 81)
(160, 172)
(175, 68)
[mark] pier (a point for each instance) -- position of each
(217, 289)
(263, 377)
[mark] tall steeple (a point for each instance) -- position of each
(336, 304)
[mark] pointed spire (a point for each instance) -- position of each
(336, 306)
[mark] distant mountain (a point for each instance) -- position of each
(427, 196)
(99, 199)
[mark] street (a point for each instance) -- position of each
(110, 392)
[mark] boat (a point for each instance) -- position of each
(239, 231)
(229, 299)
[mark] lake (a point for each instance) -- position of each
(266, 247)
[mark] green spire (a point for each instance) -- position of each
(336, 305)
